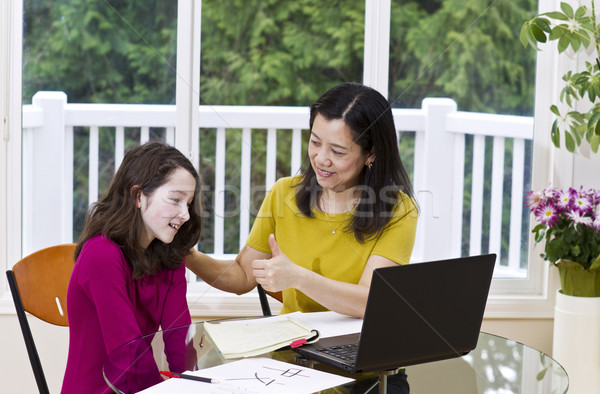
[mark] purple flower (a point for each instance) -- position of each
(534, 200)
(565, 199)
(583, 203)
(547, 214)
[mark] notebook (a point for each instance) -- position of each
(415, 313)
(246, 338)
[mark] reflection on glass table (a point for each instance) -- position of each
(497, 365)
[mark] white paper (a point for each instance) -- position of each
(253, 375)
(329, 323)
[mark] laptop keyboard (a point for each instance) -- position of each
(345, 352)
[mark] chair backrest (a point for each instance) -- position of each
(38, 284)
(264, 302)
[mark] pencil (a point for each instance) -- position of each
(190, 377)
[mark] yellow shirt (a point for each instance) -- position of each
(309, 242)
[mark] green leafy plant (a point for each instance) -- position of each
(578, 30)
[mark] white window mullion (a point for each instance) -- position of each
(377, 45)
(11, 44)
(187, 86)
(516, 205)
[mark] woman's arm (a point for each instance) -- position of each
(234, 276)
(280, 273)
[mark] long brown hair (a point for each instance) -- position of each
(369, 117)
(115, 215)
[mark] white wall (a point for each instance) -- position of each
(16, 374)
(586, 171)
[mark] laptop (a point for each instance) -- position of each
(415, 313)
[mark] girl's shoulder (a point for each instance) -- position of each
(100, 247)
(101, 258)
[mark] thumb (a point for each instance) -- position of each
(274, 247)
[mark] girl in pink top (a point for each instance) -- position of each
(129, 276)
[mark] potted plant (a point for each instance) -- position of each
(576, 30)
(570, 231)
(569, 222)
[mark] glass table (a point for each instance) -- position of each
(497, 365)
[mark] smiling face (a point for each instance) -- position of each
(167, 209)
(336, 159)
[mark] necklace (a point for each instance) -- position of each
(334, 230)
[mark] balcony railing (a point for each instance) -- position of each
(469, 170)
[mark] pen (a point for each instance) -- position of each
(190, 377)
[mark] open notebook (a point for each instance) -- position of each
(415, 313)
(246, 338)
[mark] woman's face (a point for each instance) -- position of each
(167, 209)
(336, 159)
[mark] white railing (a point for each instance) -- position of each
(440, 135)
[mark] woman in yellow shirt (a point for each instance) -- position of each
(318, 236)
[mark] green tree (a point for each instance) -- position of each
(114, 51)
(464, 49)
(278, 52)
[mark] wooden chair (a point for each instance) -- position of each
(39, 285)
(264, 302)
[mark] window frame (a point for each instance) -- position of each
(530, 298)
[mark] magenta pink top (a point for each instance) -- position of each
(108, 308)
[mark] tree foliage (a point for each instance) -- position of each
(101, 51)
(464, 49)
(278, 52)
(269, 52)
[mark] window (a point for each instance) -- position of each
(257, 78)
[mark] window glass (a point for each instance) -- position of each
(469, 51)
(121, 52)
(275, 53)
(257, 52)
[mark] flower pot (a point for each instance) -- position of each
(576, 342)
(577, 281)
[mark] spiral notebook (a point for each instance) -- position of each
(246, 338)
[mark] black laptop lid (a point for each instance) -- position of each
(424, 312)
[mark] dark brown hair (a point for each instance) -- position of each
(115, 215)
(369, 116)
